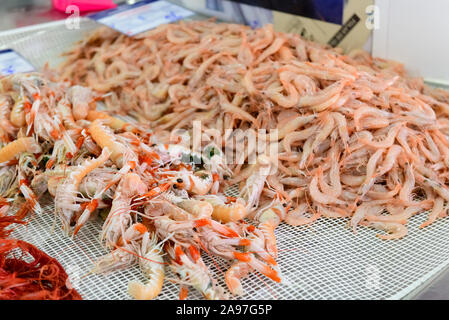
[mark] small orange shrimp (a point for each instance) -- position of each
(366, 111)
(237, 112)
(193, 271)
(274, 91)
(199, 209)
(66, 192)
(371, 171)
(263, 268)
(9, 129)
(15, 148)
(325, 98)
(233, 275)
(275, 212)
(438, 208)
(320, 197)
(295, 136)
(198, 183)
(395, 218)
(112, 122)
(405, 194)
(17, 115)
(382, 193)
(292, 125)
(439, 188)
(360, 213)
(272, 49)
(80, 97)
(253, 186)
(225, 212)
(119, 218)
(285, 53)
(388, 141)
(267, 229)
(106, 139)
(341, 123)
(245, 54)
(151, 264)
(390, 159)
(298, 217)
(396, 230)
(198, 74)
(327, 128)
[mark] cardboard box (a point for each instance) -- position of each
(349, 29)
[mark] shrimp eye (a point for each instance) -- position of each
(175, 186)
(284, 205)
(153, 145)
(179, 180)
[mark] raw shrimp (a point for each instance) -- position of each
(15, 148)
(437, 209)
(198, 183)
(320, 197)
(225, 212)
(105, 139)
(119, 218)
(66, 192)
(80, 97)
(194, 272)
(350, 136)
(298, 217)
(152, 266)
(395, 230)
(197, 208)
(7, 128)
(233, 275)
(267, 228)
(115, 260)
(254, 184)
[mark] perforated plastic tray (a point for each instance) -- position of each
(322, 261)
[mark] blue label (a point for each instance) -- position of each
(141, 16)
(11, 62)
(324, 10)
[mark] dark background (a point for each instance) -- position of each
(325, 10)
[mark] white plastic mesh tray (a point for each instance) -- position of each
(322, 261)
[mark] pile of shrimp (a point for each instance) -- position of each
(160, 209)
(357, 138)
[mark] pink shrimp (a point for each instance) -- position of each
(388, 141)
(396, 230)
(6, 103)
(437, 210)
(298, 217)
(15, 148)
(119, 218)
(320, 197)
(233, 275)
(66, 192)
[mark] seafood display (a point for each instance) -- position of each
(356, 137)
(151, 132)
(160, 210)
